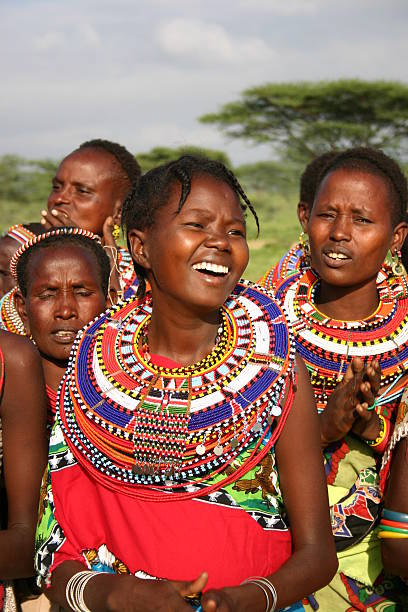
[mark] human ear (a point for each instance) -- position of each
(303, 212)
(117, 212)
(112, 297)
(138, 248)
(400, 232)
(20, 303)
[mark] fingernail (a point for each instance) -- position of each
(43, 221)
(44, 212)
(54, 212)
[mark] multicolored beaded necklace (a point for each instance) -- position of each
(9, 318)
(290, 263)
(127, 272)
(389, 286)
(20, 233)
(131, 422)
(327, 345)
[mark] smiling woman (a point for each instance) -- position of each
(175, 413)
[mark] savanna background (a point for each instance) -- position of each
(263, 85)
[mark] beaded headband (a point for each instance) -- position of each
(60, 231)
(20, 233)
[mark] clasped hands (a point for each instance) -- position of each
(349, 406)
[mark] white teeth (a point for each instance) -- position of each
(65, 334)
(211, 267)
(337, 256)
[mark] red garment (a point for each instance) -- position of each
(176, 540)
(51, 406)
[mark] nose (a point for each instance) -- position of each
(218, 239)
(60, 196)
(341, 228)
(65, 306)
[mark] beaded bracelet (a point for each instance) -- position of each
(74, 591)
(379, 444)
(390, 535)
(393, 525)
(392, 515)
(262, 582)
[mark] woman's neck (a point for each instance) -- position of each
(53, 371)
(345, 303)
(182, 337)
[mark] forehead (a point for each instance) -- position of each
(90, 162)
(75, 260)
(208, 193)
(356, 185)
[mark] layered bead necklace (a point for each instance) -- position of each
(10, 320)
(328, 345)
(132, 422)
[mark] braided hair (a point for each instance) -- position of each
(128, 169)
(154, 189)
(377, 163)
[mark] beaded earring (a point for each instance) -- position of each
(304, 245)
(397, 265)
(116, 232)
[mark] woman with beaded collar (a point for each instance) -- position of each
(173, 415)
(350, 318)
(63, 283)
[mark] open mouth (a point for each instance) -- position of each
(211, 269)
(65, 335)
(336, 256)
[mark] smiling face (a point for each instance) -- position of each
(8, 246)
(85, 189)
(194, 257)
(350, 228)
(63, 294)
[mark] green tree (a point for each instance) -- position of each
(23, 180)
(162, 155)
(302, 120)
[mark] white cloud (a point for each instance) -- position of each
(191, 39)
(89, 35)
(49, 41)
(282, 7)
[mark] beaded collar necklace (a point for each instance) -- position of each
(9, 317)
(143, 338)
(328, 345)
(132, 422)
(20, 233)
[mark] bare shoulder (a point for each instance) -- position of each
(18, 351)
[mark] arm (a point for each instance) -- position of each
(313, 561)
(23, 415)
(110, 592)
(395, 552)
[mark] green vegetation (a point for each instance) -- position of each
(298, 120)
(271, 186)
(302, 120)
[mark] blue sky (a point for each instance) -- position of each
(141, 72)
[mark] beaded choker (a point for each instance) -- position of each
(328, 345)
(132, 422)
